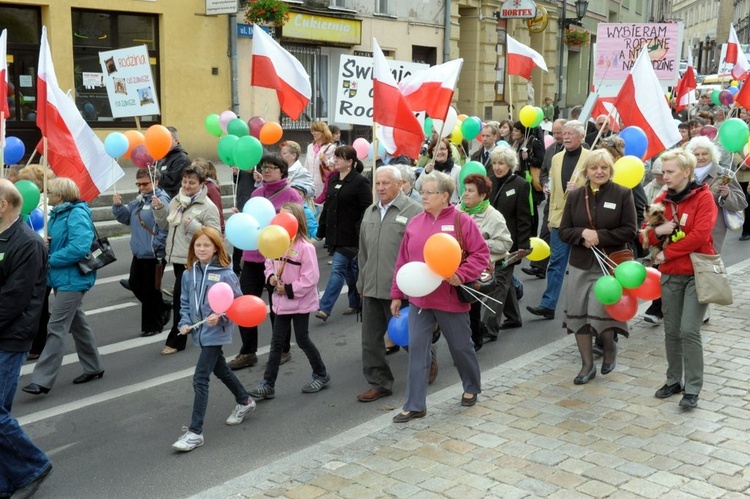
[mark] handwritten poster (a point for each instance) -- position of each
(130, 84)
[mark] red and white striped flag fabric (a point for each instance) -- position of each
(523, 59)
(400, 130)
(743, 96)
(274, 67)
(684, 93)
(73, 149)
(4, 75)
(641, 103)
(432, 90)
(735, 55)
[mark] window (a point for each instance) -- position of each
(98, 31)
(24, 32)
(340, 3)
(383, 7)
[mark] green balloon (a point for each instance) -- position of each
(630, 274)
(30, 194)
(471, 127)
(226, 149)
(715, 97)
(539, 117)
(607, 290)
(212, 125)
(427, 127)
(734, 134)
(238, 127)
(468, 169)
(247, 152)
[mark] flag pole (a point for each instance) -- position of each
(598, 135)
(45, 166)
(31, 158)
(2, 144)
(374, 161)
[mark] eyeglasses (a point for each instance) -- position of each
(428, 193)
(142, 184)
(269, 167)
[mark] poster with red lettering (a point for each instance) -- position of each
(129, 82)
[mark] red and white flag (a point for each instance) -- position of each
(734, 55)
(743, 96)
(73, 149)
(522, 59)
(684, 93)
(605, 106)
(432, 90)
(399, 129)
(4, 75)
(641, 103)
(274, 67)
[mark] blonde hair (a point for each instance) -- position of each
(65, 188)
(215, 237)
(36, 173)
(320, 126)
(685, 159)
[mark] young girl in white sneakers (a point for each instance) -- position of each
(208, 264)
(293, 279)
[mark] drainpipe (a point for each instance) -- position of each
(233, 63)
(447, 38)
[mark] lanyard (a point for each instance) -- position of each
(200, 293)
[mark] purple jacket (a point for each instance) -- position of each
(278, 195)
(300, 278)
(420, 228)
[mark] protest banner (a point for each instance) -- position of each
(129, 82)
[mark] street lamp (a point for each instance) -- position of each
(581, 7)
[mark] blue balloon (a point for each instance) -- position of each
(13, 151)
(733, 90)
(261, 209)
(398, 328)
(116, 144)
(502, 143)
(636, 142)
(35, 220)
(242, 230)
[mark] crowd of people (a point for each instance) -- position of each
(563, 193)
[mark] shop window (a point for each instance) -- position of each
(97, 31)
(24, 32)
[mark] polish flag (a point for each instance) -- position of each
(641, 103)
(73, 149)
(432, 90)
(605, 106)
(522, 59)
(684, 93)
(743, 96)
(399, 129)
(274, 67)
(4, 76)
(734, 55)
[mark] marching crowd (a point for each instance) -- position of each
(562, 193)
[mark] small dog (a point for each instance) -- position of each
(654, 215)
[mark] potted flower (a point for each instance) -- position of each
(267, 12)
(575, 38)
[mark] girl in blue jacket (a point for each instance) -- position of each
(208, 264)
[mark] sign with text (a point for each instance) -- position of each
(354, 87)
(618, 46)
(130, 85)
(215, 7)
(518, 9)
(323, 29)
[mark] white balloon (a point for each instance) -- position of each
(450, 122)
(415, 279)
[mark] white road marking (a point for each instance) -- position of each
(116, 278)
(102, 310)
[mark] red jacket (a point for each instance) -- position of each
(696, 214)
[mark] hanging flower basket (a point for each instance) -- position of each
(267, 12)
(575, 39)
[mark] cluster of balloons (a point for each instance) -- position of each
(13, 150)
(143, 149)
(242, 146)
(455, 126)
(530, 116)
(246, 310)
(258, 227)
(620, 293)
(725, 97)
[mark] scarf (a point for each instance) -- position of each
(477, 209)
(175, 216)
(677, 197)
(444, 166)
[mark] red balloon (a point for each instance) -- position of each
(651, 287)
(625, 309)
(247, 311)
(288, 222)
(255, 124)
(141, 158)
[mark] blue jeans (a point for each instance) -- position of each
(558, 262)
(211, 360)
(344, 269)
(21, 462)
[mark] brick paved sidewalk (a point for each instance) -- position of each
(536, 434)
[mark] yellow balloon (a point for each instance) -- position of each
(527, 116)
(539, 249)
(629, 171)
(734, 83)
(273, 241)
(457, 135)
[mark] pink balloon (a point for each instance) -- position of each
(709, 131)
(255, 124)
(225, 117)
(548, 140)
(362, 147)
(220, 297)
(141, 158)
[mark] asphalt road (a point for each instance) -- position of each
(112, 437)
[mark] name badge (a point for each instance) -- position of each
(610, 206)
(402, 220)
(683, 219)
(510, 192)
(2, 256)
(447, 228)
(293, 252)
(195, 211)
(214, 277)
(146, 207)
(338, 186)
(163, 167)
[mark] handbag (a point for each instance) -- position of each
(734, 220)
(617, 257)
(100, 255)
(711, 283)
(485, 284)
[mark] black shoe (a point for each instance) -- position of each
(667, 391)
(125, 283)
(609, 367)
(33, 487)
(689, 401)
(745, 237)
(405, 417)
(519, 291)
(490, 336)
(146, 334)
(533, 271)
(541, 312)
(392, 349)
(511, 324)
(35, 389)
(85, 378)
(582, 380)
(469, 401)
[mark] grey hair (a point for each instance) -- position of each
(506, 155)
(702, 142)
(576, 126)
(394, 171)
(407, 174)
(444, 182)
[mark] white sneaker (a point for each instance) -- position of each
(239, 412)
(653, 319)
(188, 441)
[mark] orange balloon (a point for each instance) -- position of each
(442, 254)
(462, 117)
(270, 133)
(135, 139)
(158, 141)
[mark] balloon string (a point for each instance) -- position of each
(193, 326)
(479, 295)
(600, 261)
(606, 263)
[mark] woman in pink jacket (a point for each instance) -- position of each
(442, 305)
(293, 279)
